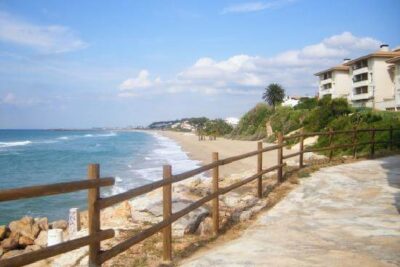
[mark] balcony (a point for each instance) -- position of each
(355, 97)
(361, 83)
(323, 92)
(360, 71)
(326, 81)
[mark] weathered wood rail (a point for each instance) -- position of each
(96, 203)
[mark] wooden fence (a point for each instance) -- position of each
(96, 203)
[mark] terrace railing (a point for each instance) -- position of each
(96, 203)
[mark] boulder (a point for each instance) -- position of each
(26, 227)
(43, 223)
(231, 200)
(245, 215)
(77, 257)
(12, 253)
(11, 242)
(32, 248)
(189, 223)
(60, 224)
(118, 216)
(206, 227)
(25, 241)
(41, 240)
(3, 231)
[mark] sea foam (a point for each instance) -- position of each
(16, 143)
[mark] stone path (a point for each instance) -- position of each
(346, 215)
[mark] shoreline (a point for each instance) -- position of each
(202, 150)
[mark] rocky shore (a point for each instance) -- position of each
(127, 218)
(27, 234)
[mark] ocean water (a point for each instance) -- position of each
(34, 157)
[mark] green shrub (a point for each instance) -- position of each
(365, 119)
(327, 110)
(252, 124)
(307, 103)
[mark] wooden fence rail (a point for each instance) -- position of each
(96, 203)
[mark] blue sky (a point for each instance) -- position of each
(118, 63)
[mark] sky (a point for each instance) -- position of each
(81, 64)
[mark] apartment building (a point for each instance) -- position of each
(395, 74)
(334, 81)
(372, 82)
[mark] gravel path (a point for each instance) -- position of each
(347, 215)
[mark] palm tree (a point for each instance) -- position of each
(274, 94)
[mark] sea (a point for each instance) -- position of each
(36, 157)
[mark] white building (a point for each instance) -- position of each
(290, 101)
(232, 121)
(372, 84)
(334, 81)
(395, 74)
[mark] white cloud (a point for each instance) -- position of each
(255, 6)
(140, 82)
(45, 39)
(9, 98)
(12, 100)
(245, 74)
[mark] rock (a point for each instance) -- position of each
(1, 251)
(26, 227)
(118, 216)
(189, 223)
(41, 240)
(43, 223)
(11, 242)
(245, 215)
(12, 253)
(205, 228)
(3, 231)
(194, 221)
(231, 200)
(32, 248)
(25, 241)
(78, 257)
(60, 224)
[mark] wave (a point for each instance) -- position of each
(71, 137)
(16, 143)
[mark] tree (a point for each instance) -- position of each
(273, 94)
(307, 103)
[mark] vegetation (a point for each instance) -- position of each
(311, 114)
(217, 127)
(252, 125)
(326, 110)
(273, 94)
(307, 103)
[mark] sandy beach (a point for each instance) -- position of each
(202, 151)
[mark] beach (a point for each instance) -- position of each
(202, 151)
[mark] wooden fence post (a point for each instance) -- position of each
(215, 201)
(167, 211)
(94, 215)
(280, 157)
(373, 143)
(259, 169)
(330, 144)
(354, 142)
(391, 137)
(301, 149)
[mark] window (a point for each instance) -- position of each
(360, 77)
(361, 90)
(326, 76)
(327, 86)
(360, 64)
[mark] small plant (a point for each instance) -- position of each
(303, 174)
